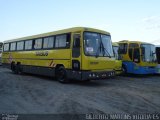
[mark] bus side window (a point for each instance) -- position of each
(48, 42)
(62, 41)
(6, 47)
(13, 46)
(20, 45)
(28, 45)
(68, 40)
(38, 43)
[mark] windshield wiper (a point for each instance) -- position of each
(105, 50)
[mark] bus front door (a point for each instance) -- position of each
(76, 55)
(136, 55)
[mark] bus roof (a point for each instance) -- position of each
(157, 45)
(115, 44)
(128, 41)
(74, 29)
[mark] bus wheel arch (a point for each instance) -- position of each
(61, 73)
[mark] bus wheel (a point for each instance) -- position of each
(13, 67)
(18, 70)
(61, 75)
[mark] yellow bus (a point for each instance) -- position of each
(77, 53)
(118, 61)
(138, 57)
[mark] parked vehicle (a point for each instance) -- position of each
(118, 64)
(138, 57)
(77, 53)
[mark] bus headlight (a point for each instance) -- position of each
(94, 75)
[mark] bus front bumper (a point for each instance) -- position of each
(90, 75)
(144, 70)
(119, 72)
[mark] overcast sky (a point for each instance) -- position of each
(124, 19)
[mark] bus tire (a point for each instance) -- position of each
(18, 68)
(61, 74)
(87, 81)
(13, 67)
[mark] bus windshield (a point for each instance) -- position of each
(148, 53)
(96, 44)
